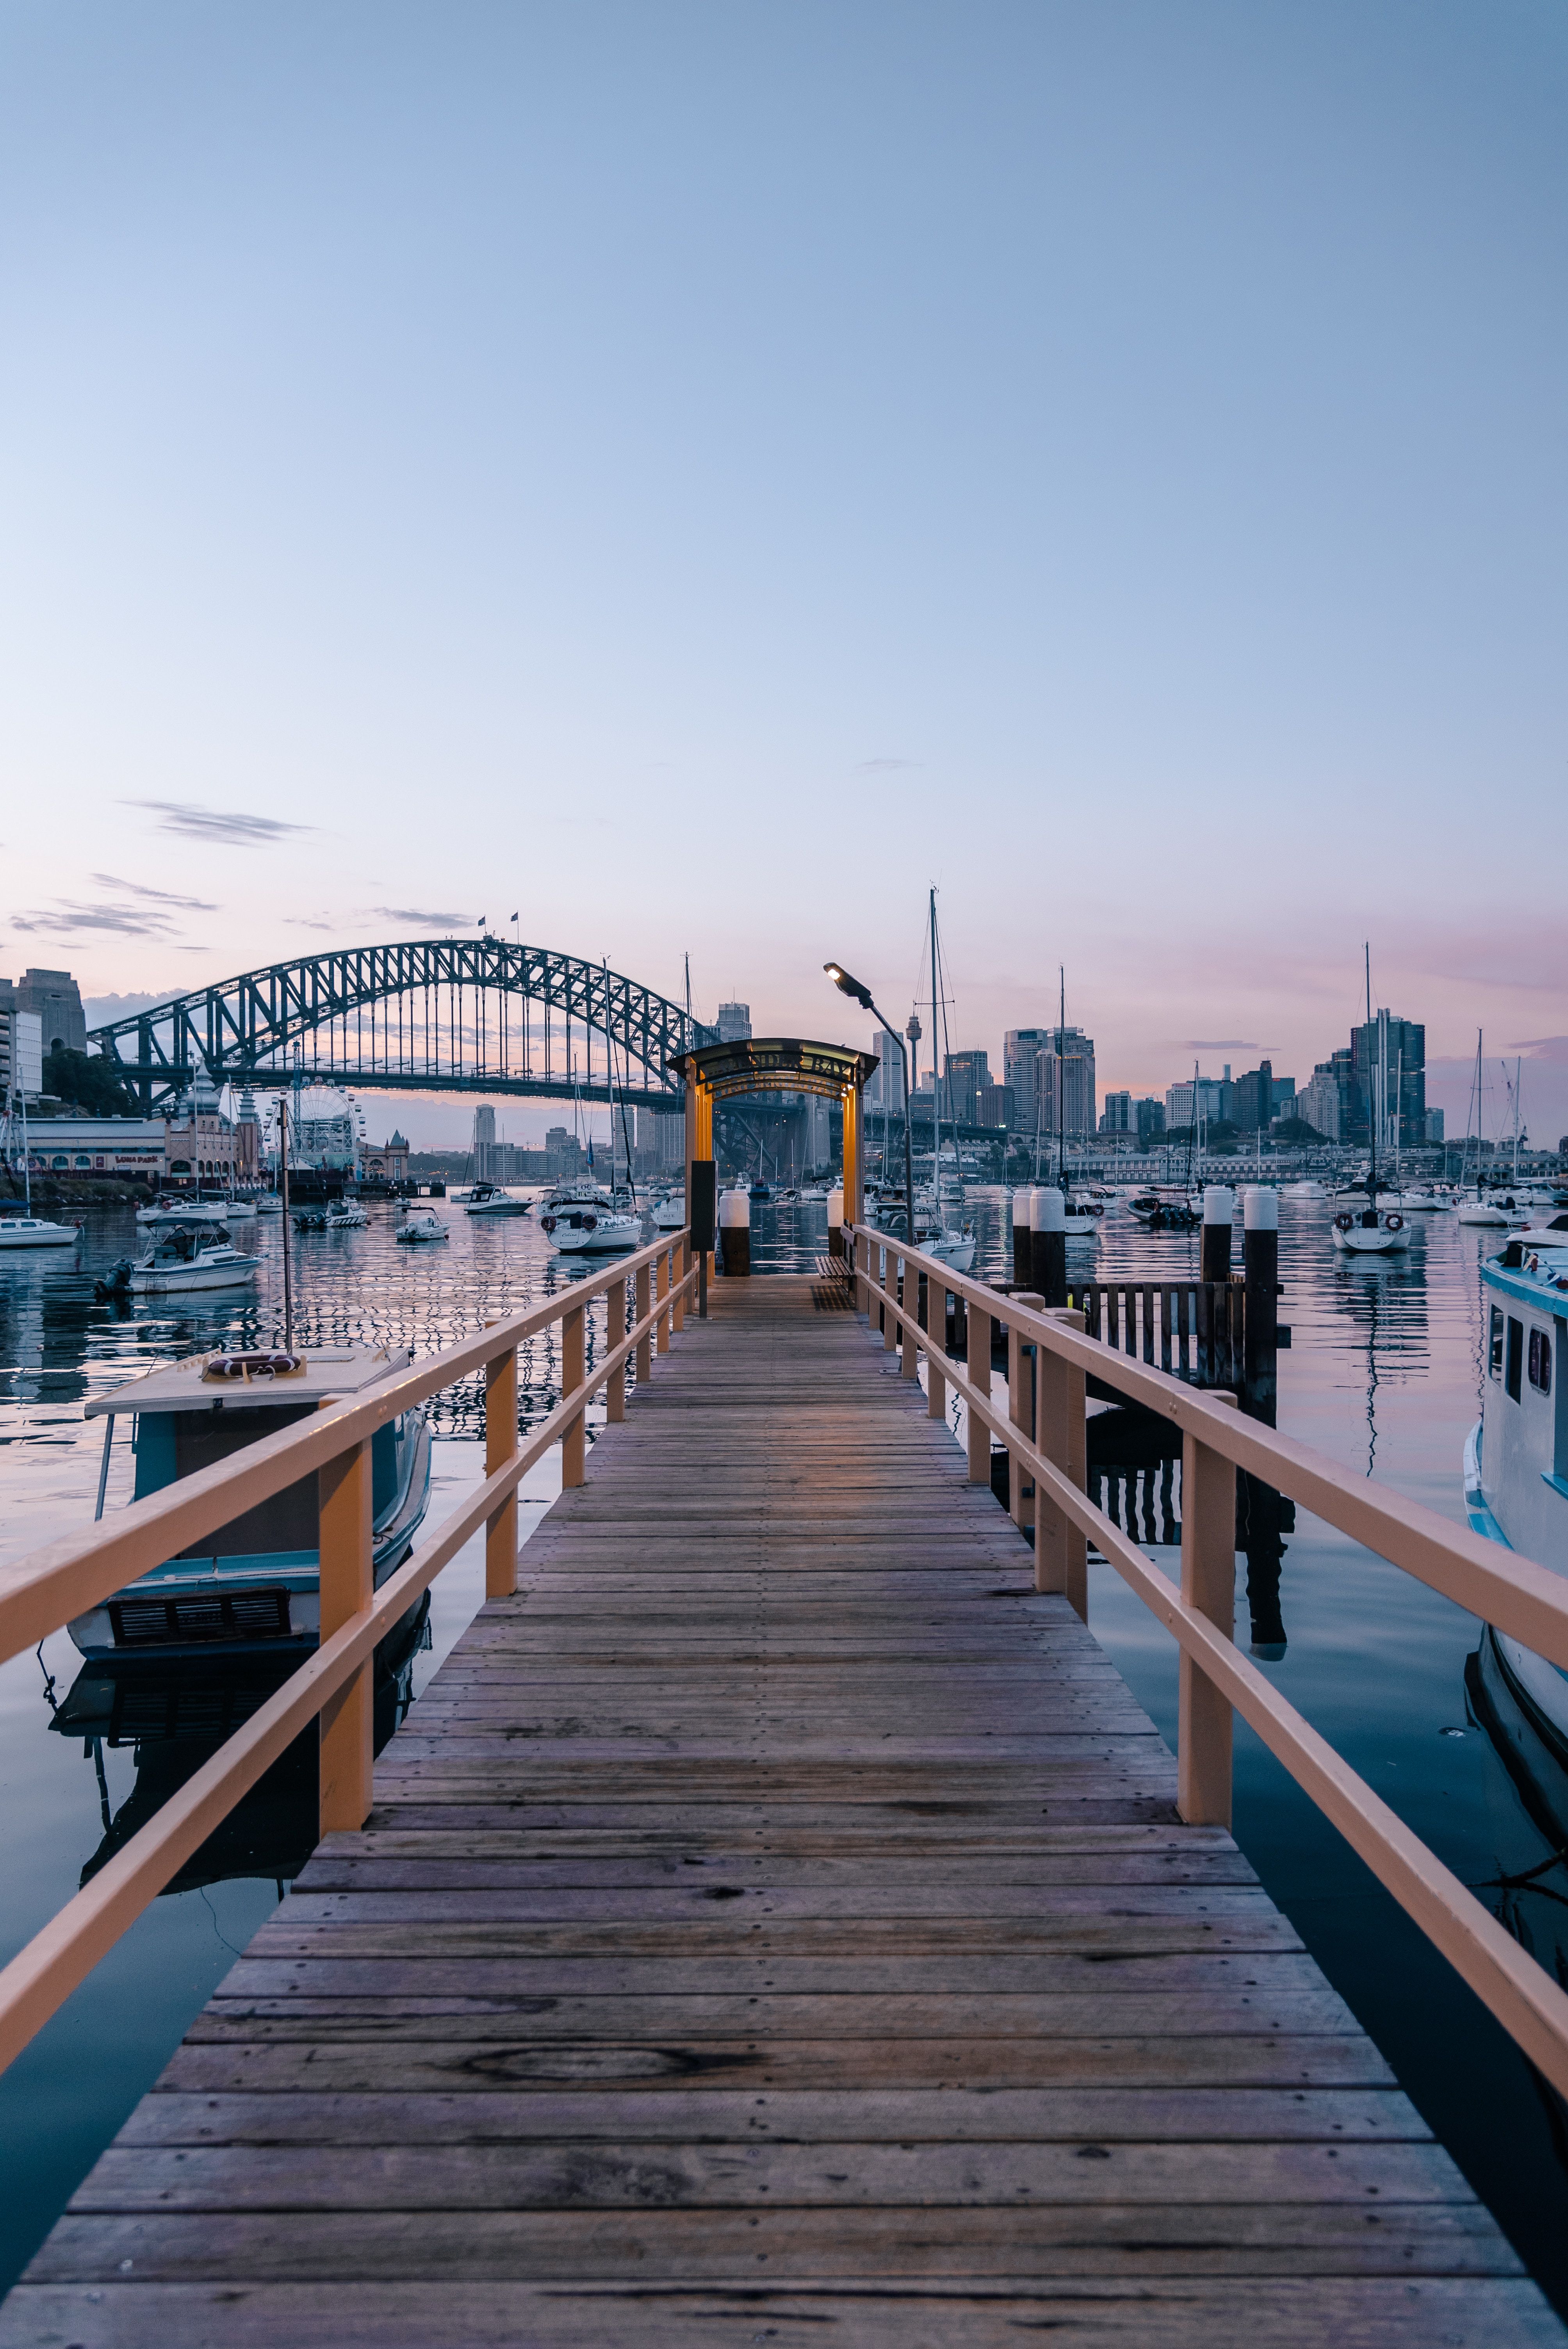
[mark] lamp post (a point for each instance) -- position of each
(862, 996)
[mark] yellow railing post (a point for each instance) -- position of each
(642, 1306)
(500, 1444)
(662, 1327)
(573, 1370)
(935, 1347)
(978, 1363)
(1203, 1717)
(347, 1586)
(908, 1365)
(615, 1330)
(1061, 1552)
(1020, 1412)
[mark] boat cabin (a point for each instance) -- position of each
(1524, 1469)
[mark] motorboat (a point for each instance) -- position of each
(253, 1586)
(1160, 1211)
(669, 1213)
(36, 1232)
(818, 1192)
(490, 1199)
(578, 1220)
(759, 1191)
(1080, 1218)
(1492, 1208)
(268, 1203)
(955, 1250)
(1422, 1203)
(787, 1197)
(1515, 1490)
(186, 1256)
(196, 1210)
(421, 1229)
(1375, 1231)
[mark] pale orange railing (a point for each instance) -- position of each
(39, 1593)
(1527, 1601)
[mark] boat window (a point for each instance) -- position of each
(1512, 1376)
(1540, 1361)
(1495, 1362)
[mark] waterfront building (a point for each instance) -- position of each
(1021, 1048)
(661, 1138)
(734, 1023)
(1065, 1091)
(1116, 1117)
(199, 1141)
(965, 1077)
(1149, 1115)
(77, 1144)
(483, 1134)
(54, 999)
(997, 1107)
(1434, 1125)
(1209, 1099)
(563, 1154)
(388, 1161)
(1255, 1098)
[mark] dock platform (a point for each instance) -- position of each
(775, 1926)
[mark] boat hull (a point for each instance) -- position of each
(177, 1278)
(47, 1235)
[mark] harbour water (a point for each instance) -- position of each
(1383, 1373)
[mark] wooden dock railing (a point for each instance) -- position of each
(1042, 1429)
(39, 1593)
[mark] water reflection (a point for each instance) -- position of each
(172, 1719)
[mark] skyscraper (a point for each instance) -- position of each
(1021, 1049)
(884, 1088)
(734, 1023)
(965, 1077)
(1399, 1048)
(1065, 1081)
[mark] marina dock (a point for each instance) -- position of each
(775, 1923)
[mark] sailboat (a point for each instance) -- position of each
(1375, 1231)
(1481, 1209)
(952, 1244)
(28, 1230)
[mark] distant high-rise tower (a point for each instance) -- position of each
(484, 1128)
(734, 1023)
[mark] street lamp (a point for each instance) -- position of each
(862, 996)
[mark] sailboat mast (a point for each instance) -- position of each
(1061, 1080)
(936, 1077)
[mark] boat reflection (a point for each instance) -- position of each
(175, 1717)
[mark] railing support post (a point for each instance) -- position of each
(642, 1306)
(865, 1271)
(573, 1370)
(500, 1444)
(1061, 1552)
(909, 1361)
(662, 1326)
(680, 1261)
(1021, 1410)
(935, 1350)
(615, 1330)
(346, 1588)
(889, 1289)
(1203, 1717)
(978, 1363)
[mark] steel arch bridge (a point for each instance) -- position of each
(446, 1015)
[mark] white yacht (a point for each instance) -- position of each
(578, 1220)
(36, 1232)
(182, 1258)
(490, 1199)
(1494, 1208)
(159, 1211)
(346, 1215)
(1516, 1456)
(1373, 1231)
(670, 1215)
(423, 1227)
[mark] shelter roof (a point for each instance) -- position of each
(767, 1064)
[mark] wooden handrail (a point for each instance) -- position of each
(1531, 2006)
(43, 1974)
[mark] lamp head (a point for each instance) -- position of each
(848, 986)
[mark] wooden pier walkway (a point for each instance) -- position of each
(774, 1925)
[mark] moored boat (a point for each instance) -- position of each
(1375, 1231)
(253, 1585)
(578, 1220)
(490, 1199)
(420, 1229)
(181, 1259)
(36, 1232)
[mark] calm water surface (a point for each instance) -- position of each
(1383, 1373)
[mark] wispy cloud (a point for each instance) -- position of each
(420, 919)
(884, 766)
(154, 896)
(303, 921)
(1220, 1044)
(66, 920)
(226, 826)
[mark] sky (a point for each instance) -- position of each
(701, 473)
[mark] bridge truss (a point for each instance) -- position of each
(446, 1015)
